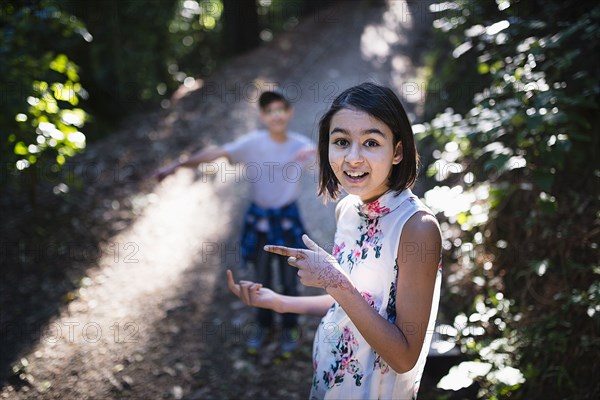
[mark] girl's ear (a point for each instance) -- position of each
(398, 154)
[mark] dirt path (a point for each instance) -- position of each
(152, 317)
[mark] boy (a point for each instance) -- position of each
(273, 217)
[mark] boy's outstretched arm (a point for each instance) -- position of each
(202, 156)
(255, 295)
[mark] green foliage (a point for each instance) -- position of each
(127, 54)
(518, 185)
(41, 119)
(195, 33)
(125, 60)
(53, 116)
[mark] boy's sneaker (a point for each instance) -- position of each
(290, 338)
(256, 340)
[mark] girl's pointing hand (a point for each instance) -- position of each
(316, 267)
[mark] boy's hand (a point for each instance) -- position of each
(163, 172)
(252, 294)
(315, 266)
(305, 154)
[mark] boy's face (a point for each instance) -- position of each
(276, 116)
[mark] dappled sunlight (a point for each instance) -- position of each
(464, 374)
(114, 285)
(133, 325)
(118, 305)
(166, 239)
(378, 40)
(386, 44)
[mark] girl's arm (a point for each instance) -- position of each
(418, 254)
(400, 344)
(255, 295)
(312, 305)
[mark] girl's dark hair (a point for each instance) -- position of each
(382, 103)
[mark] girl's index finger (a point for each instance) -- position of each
(284, 251)
(235, 288)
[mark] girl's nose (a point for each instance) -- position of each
(353, 155)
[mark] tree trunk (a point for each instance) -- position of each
(240, 24)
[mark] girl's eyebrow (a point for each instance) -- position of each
(365, 132)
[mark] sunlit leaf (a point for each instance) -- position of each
(21, 149)
(59, 64)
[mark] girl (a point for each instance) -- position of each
(383, 276)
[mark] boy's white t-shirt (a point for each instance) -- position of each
(271, 167)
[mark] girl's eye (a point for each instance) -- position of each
(371, 143)
(340, 142)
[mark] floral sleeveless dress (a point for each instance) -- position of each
(366, 245)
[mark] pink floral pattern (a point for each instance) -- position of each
(369, 298)
(373, 209)
(345, 363)
(380, 364)
(370, 237)
(338, 251)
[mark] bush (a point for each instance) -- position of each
(517, 181)
(41, 120)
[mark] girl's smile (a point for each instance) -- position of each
(362, 153)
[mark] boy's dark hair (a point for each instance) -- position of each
(383, 104)
(270, 97)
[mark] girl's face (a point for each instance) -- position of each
(362, 153)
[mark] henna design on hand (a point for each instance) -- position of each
(332, 278)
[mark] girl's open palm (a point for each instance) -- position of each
(252, 293)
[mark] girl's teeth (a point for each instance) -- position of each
(355, 174)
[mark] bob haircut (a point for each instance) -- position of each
(382, 103)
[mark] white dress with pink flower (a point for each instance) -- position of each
(366, 246)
